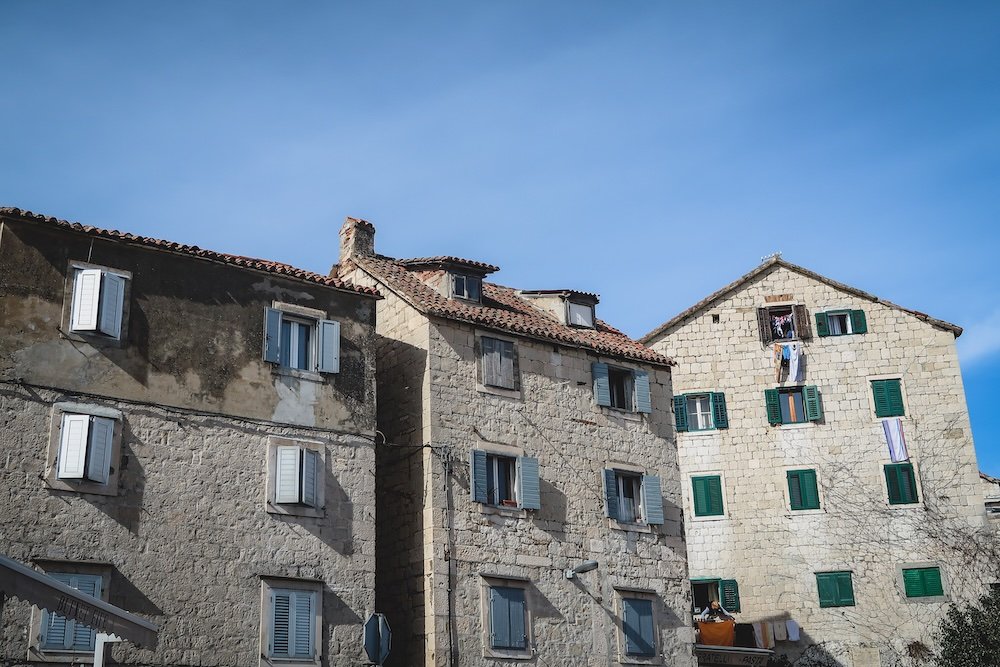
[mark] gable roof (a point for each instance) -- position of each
(503, 309)
(775, 262)
(265, 265)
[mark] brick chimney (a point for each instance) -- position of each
(357, 237)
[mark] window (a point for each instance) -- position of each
(57, 638)
(498, 363)
(922, 582)
(291, 616)
(793, 405)
(707, 494)
(633, 497)
(841, 323)
(504, 481)
(508, 626)
(700, 412)
(98, 305)
(466, 287)
(803, 493)
(901, 484)
(84, 448)
(782, 323)
(621, 388)
(638, 627)
(301, 342)
(724, 591)
(296, 474)
(59, 633)
(580, 314)
(888, 395)
(836, 589)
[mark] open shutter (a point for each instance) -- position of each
(810, 397)
(112, 304)
(302, 627)
(637, 626)
(515, 368)
(845, 589)
(477, 475)
(288, 477)
(859, 324)
(86, 300)
(680, 413)
(771, 401)
(528, 491)
(602, 386)
(310, 477)
(652, 500)
(720, 415)
(272, 335)
(822, 329)
(642, 400)
(826, 582)
(73, 447)
(102, 433)
(795, 489)
(281, 618)
(329, 346)
(729, 591)
(611, 494)
(802, 328)
(764, 326)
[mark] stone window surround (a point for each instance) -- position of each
(94, 338)
(310, 314)
(55, 439)
(485, 389)
(646, 594)
(919, 505)
(689, 494)
(614, 524)
(289, 509)
(499, 449)
(487, 581)
(621, 413)
(901, 586)
(35, 652)
(267, 583)
(714, 430)
(783, 482)
(871, 396)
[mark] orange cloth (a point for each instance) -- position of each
(717, 634)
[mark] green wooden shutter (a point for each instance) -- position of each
(729, 591)
(880, 393)
(602, 386)
(859, 324)
(826, 583)
(771, 401)
(913, 583)
(901, 484)
(795, 489)
(845, 589)
(810, 490)
(640, 380)
(822, 325)
(894, 391)
(680, 413)
(720, 415)
(932, 581)
(707, 495)
(810, 398)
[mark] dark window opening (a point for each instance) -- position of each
(792, 406)
(500, 471)
(620, 382)
(466, 287)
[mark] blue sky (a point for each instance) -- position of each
(648, 151)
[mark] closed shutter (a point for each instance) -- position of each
(101, 439)
(888, 398)
(773, 405)
(637, 625)
(84, 636)
(506, 376)
(477, 475)
(302, 625)
(813, 406)
(112, 304)
(923, 582)
(826, 582)
(507, 626)
(802, 328)
(60, 633)
(611, 494)
(642, 400)
(329, 346)
(602, 386)
(73, 447)
(822, 325)
(86, 300)
(809, 488)
(794, 489)
(281, 620)
(652, 500)
(729, 591)
(680, 413)
(54, 626)
(528, 491)
(932, 581)
(516, 605)
(707, 495)
(272, 335)
(845, 589)
(310, 477)
(859, 324)
(720, 415)
(288, 476)
(491, 361)
(764, 326)
(901, 484)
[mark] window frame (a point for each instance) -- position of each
(487, 583)
(648, 597)
(480, 354)
(36, 651)
(570, 304)
(627, 385)
(273, 584)
(901, 570)
(271, 506)
(494, 461)
(317, 321)
(51, 477)
(96, 337)
(465, 294)
(718, 475)
(800, 321)
(710, 412)
(839, 600)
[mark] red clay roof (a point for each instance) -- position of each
(504, 310)
(170, 246)
(447, 259)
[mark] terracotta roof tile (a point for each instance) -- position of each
(171, 246)
(502, 309)
(447, 259)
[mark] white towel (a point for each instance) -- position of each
(793, 630)
(758, 634)
(794, 359)
(895, 439)
(780, 631)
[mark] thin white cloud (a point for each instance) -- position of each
(980, 340)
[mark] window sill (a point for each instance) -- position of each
(61, 656)
(310, 376)
(295, 510)
(795, 426)
(701, 432)
(499, 391)
(709, 517)
(906, 506)
(621, 413)
(95, 339)
(640, 660)
(301, 662)
(499, 510)
(623, 526)
(928, 599)
(91, 488)
(501, 654)
(812, 512)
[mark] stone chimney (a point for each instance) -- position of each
(357, 237)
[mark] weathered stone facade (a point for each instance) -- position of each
(187, 531)
(775, 552)
(439, 549)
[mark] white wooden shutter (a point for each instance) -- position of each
(102, 433)
(329, 346)
(302, 634)
(287, 477)
(112, 304)
(73, 447)
(310, 477)
(86, 300)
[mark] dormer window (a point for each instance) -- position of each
(466, 287)
(580, 314)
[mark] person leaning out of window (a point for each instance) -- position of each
(715, 612)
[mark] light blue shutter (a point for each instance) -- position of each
(477, 475)
(281, 616)
(112, 304)
(652, 500)
(637, 619)
(310, 477)
(527, 481)
(272, 335)
(102, 431)
(287, 476)
(329, 346)
(611, 493)
(515, 603)
(83, 636)
(499, 619)
(602, 386)
(73, 447)
(302, 635)
(642, 400)
(54, 625)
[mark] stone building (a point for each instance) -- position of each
(828, 466)
(523, 437)
(188, 435)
